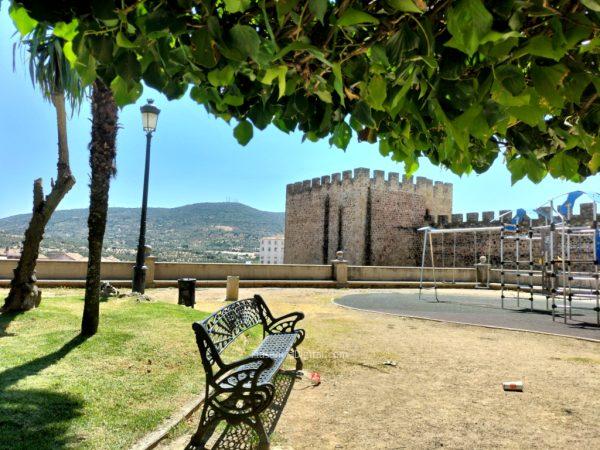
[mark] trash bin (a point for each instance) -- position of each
(187, 292)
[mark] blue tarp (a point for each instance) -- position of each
(519, 216)
(569, 202)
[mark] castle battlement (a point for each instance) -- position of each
(487, 218)
(422, 186)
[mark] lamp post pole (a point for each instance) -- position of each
(139, 270)
(149, 120)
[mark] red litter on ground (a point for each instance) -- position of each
(313, 377)
(513, 386)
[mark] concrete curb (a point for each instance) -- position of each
(493, 327)
(153, 438)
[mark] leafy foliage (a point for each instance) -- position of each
(49, 68)
(459, 82)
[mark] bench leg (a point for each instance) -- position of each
(296, 354)
(208, 422)
(263, 437)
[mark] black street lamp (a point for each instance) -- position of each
(149, 120)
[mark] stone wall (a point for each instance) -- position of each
(372, 219)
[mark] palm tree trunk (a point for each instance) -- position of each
(24, 293)
(103, 151)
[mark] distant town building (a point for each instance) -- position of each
(58, 255)
(271, 250)
(10, 253)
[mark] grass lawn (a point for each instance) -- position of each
(60, 391)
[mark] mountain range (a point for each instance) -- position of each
(214, 232)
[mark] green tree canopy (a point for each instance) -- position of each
(459, 82)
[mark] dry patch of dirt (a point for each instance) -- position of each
(445, 390)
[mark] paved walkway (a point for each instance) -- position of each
(478, 308)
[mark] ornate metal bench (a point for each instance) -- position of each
(240, 391)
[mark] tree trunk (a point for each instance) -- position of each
(24, 293)
(103, 151)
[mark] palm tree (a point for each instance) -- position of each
(52, 73)
(103, 151)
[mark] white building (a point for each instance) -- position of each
(271, 250)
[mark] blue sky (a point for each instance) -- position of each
(195, 158)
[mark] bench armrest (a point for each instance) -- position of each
(284, 324)
(228, 378)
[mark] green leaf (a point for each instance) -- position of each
(377, 92)
(503, 97)
(278, 72)
(563, 165)
(128, 66)
(468, 22)
(342, 133)
(519, 167)
(123, 41)
(378, 55)
(233, 100)
(284, 7)
(473, 122)
(354, 17)
(511, 78)
(362, 113)
(338, 81)
(411, 165)
(234, 6)
(544, 46)
(69, 53)
(203, 51)
(594, 5)
(21, 19)
(85, 65)
(325, 96)
(547, 81)
(245, 40)
(407, 5)
(154, 76)
(533, 115)
(66, 31)
(318, 8)
(594, 164)
(125, 92)
(221, 77)
(243, 132)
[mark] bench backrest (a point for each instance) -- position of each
(215, 333)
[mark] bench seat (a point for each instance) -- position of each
(276, 347)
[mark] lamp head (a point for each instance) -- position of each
(149, 116)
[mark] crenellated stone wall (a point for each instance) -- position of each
(371, 218)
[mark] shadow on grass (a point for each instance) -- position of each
(37, 418)
(242, 436)
(14, 374)
(5, 320)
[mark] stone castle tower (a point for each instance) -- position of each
(373, 220)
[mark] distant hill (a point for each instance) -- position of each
(198, 232)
